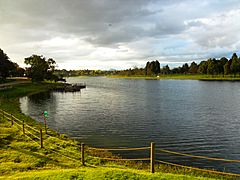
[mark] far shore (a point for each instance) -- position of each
(183, 77)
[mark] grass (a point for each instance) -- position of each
(22, 158)
(98, 174)
(184, 77)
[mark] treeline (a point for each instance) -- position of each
(222, 66)
(39, 70)
(151, 69)
(85, 72)
(42, 68)
(8, 68)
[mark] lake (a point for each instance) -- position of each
(189, 116)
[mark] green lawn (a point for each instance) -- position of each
(99, 173)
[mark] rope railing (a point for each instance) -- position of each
(30, 127)
(199, 157)
(32, 139)
(16, 119)
(198, 169)
(6, 113)
(48, 135)
(54, 151)
(69, 151)
(122, 159)
(119, 149)
(32, 134)
(8, 118)
(22, 125)
(17, 124)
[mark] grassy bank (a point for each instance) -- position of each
(184, 77)
(20, 157)
(98, 174)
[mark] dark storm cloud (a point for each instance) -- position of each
(100, 22)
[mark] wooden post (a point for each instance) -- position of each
(2, 115)
(12, 119)
(41, 138)
(23, 127)
(45, 124)
(82, 151)
(152, 157)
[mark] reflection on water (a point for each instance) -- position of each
(195, 117)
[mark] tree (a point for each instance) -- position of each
(6, 66)
(227, 67)
(212, 67)
(235, 65)
(221, 64)
(165, 70)
(152, 68)
(18, 71)
(40, 67)
(185, 68)
(193, 68)
(202, 69)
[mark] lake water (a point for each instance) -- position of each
(196, 117)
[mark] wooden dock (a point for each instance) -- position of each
(70, 87)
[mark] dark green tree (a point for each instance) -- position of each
(226, 67)
(193, 68)
(152, 68)
(221, 64)
(202, 69)
(6, 66)
(235, 65)
(212, 67)
(185, 68)
(17, 71)
(40, 68)
(165, 70)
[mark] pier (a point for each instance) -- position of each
(70, 87)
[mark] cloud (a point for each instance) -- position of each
(123, 32)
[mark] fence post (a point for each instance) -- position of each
(45, 124)
(12, 119)
(2, 115)
(152, 157)
(23, 127)
(41, 138)
(82, 151)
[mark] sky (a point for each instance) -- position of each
(119, 34)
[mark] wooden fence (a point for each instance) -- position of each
(36, 135)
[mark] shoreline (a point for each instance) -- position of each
(180, 77)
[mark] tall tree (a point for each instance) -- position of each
(221, 64)
(185, 68)
(6, 66)
(40, 68)
(212, 67)
(165, 70)
(193, 68)
(226, 67)
(202, 69)
(152, 68)
(235, 66)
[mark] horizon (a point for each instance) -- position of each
(103, 35)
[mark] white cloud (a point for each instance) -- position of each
(119, 34)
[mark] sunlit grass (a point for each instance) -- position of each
(99, 173)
